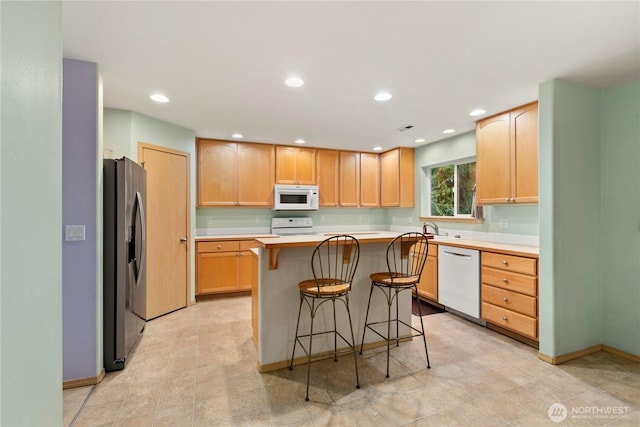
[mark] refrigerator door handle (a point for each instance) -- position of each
(143, 236)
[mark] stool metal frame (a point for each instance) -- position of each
(406, 257)
(333, 263)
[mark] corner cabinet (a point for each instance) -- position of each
(295, 165)
(397, 178)
(223, 266)
(507, 157)
(327, 177)
(234, 174)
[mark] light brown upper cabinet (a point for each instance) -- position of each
(235, 174)
(349, 179)
(507, 157)
(397, 178)
(369, 180)
(327, 177)
(295, 165)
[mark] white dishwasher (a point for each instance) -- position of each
(459, 279)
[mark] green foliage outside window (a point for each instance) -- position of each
(442, 196)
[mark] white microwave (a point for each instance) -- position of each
(295, 197)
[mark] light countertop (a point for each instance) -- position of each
(386, 236)
(274, 241)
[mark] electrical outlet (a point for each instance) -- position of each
(322, 219)
(74, 232)
(209, 220)
(504, 223)
(409, 219)
(257, 220)
(359, 218)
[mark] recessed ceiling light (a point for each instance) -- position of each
(382, 96)
(449, 131)
(300, 141)
(237, 135)
(294, 82)
(377, 148)
(159, 98)
(477, 112)
(420, 140)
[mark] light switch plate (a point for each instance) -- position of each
(74, 233)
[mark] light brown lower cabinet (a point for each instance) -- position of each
(428, 285)
(223, 266)
(510, 293)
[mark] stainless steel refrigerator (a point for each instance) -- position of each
(124, 285)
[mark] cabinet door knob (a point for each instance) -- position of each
(183, 239)
(504, 262)
(507, 200)
(504, 317)
(505, 280)
(219, 246)
(505, 299)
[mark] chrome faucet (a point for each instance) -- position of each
(433, 226)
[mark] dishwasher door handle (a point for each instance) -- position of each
(457, 254)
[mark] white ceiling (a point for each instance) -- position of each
(223, 64)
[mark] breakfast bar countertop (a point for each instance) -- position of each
(386, 236)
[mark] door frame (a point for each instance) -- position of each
(141, 146)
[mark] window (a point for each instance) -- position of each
(451, 188)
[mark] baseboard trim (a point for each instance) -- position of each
(81, 382)
(558, 360)
(621, 353)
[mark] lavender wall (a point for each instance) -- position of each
(80, 141)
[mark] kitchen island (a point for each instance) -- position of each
(285, 261)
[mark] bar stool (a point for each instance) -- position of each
(406, 256)
(333, 263)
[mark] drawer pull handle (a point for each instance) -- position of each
(505, 280)
(219, 246)
(505, 299)
(504, 262)
(504, 318)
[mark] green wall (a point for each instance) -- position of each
(621, 217)
(589, 211)
(121, 134)
(31, 214)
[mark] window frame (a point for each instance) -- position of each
(427, 200)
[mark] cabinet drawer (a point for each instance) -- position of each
(511, 281)
(511, 320)
(511, 300)
(510, 263)
(219, 246)
(246, 245)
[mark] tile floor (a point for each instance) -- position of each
(197, 367)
